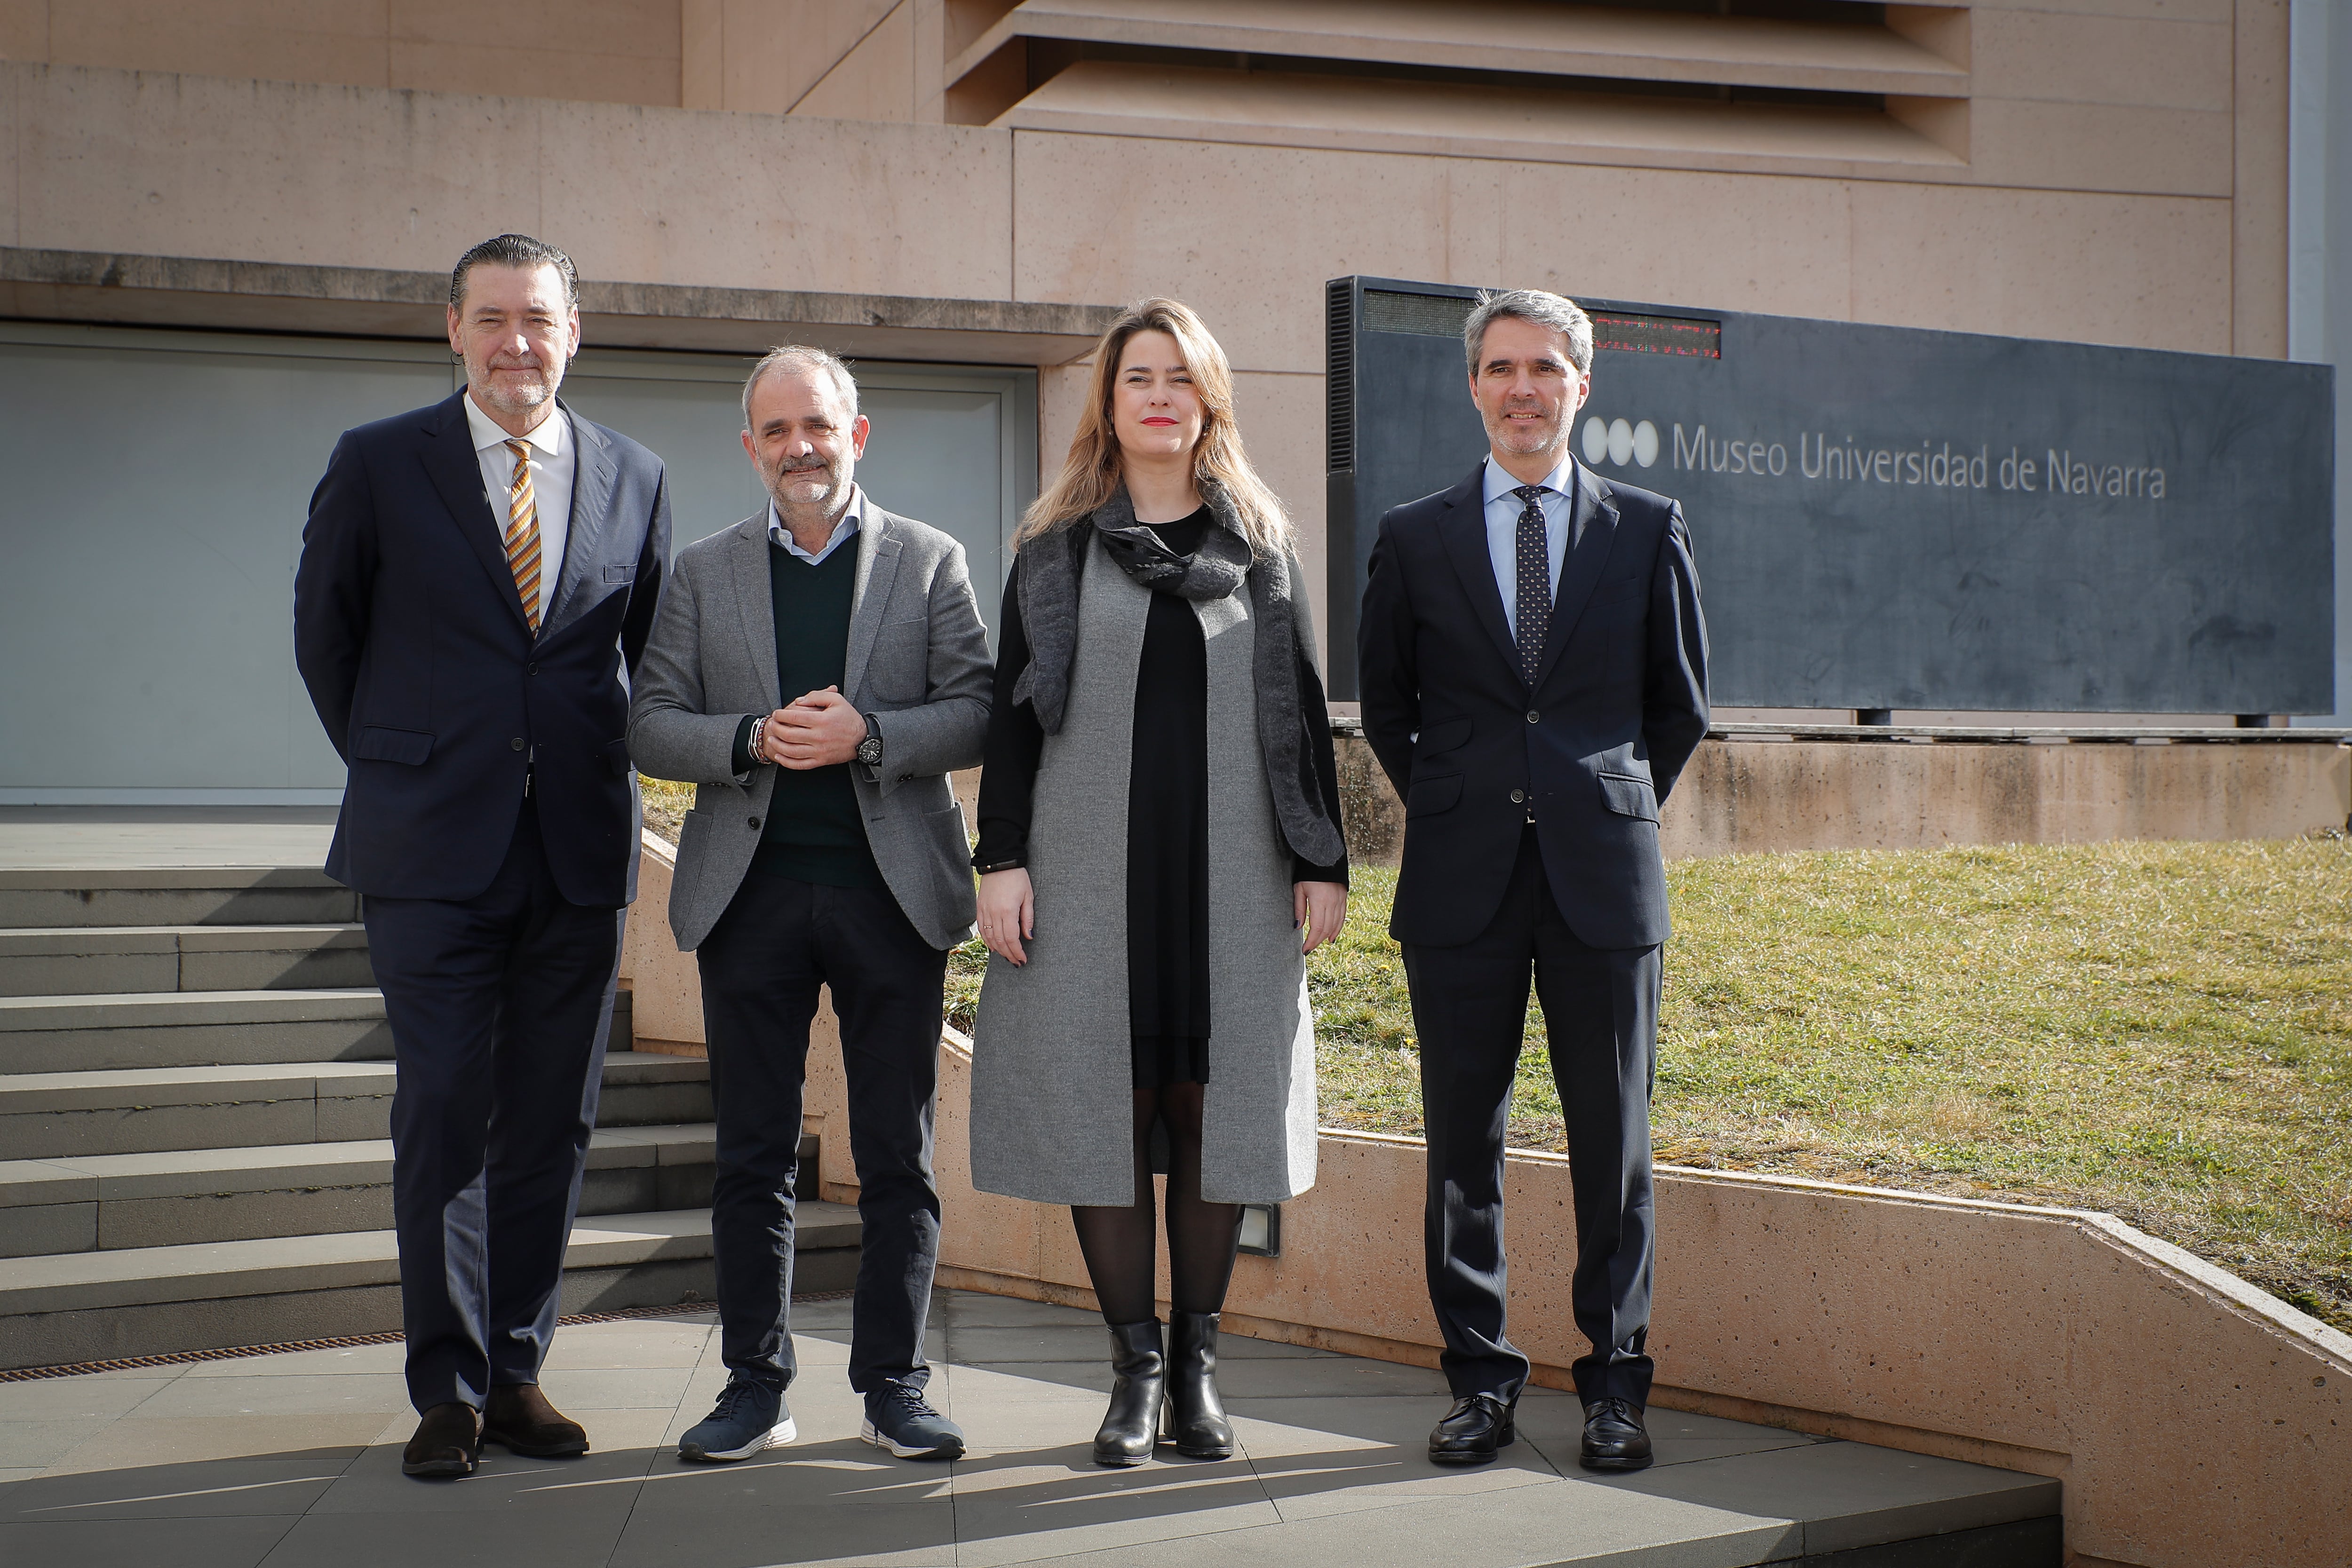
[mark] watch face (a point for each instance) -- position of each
(869, 750)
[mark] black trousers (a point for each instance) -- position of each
(761, 965)
(1601, 1016)
(500, 1005)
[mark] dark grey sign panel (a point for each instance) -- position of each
(1893, 518)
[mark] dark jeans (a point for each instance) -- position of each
(762, 965)
(499, 1006)
(1601, 1016)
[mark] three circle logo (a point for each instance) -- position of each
(1618, 442)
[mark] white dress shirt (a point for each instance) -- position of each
(1503, 510)
(842, 531)
(554, 457)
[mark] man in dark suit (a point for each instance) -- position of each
(1534, 675)
(475, 576)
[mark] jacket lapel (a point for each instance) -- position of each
(1462, 529)
(592, 473)
(456, 473)
(755, 603)
(877, 564)
(1592, 530)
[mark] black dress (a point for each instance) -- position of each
(1167, 818)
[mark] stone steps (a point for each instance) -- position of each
(45, 897)
(203, 1028)
(101, 1305)
(90, 961)
(196, 1093)
(116, 1202)
(67, 1115)
(133, 1029)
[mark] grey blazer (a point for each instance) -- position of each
(917, 662)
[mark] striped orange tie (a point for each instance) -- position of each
(522, 533)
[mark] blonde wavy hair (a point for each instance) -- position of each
(1091, 472)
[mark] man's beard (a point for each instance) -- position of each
(1526, 439)
(782, 482)
(516, 397)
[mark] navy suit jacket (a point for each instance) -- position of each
(411, 637)
(1618, 706)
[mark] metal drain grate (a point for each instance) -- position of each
(348, 1341)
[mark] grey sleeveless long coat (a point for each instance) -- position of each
(1052, 1085)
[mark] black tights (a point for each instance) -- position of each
(1119, 1243)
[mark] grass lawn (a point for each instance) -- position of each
(2160, 1031)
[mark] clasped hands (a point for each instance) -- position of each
(1008, 912)
(819, 730)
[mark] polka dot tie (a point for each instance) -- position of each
(1534, 602)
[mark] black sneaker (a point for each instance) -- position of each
(749, 1416)
(901, 1421)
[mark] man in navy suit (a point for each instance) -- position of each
(475, 579)
(1533, 673)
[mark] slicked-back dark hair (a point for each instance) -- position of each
(514, 250)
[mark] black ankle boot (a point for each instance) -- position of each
(1132, 1423)
(1196, 1416)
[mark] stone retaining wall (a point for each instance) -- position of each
(1748, 793)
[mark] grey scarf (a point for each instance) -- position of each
(1050, 573)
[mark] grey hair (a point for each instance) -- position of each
(514, 250)
(801, 356)
(1561, 315)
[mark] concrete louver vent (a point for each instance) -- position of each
(195, 1087)
(1806, 82)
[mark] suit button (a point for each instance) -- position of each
(532, 670)
(516, 743)
(1518, 796)
(1534, 717)
(755, 821)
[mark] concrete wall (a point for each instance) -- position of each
(1748, 796)
(2195, 1422)
(610, 51)
(360, 169)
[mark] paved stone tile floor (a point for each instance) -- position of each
(292, 1461)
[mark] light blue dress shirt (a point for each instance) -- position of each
(846, 529)
(1503, 510)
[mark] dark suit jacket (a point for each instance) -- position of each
(1617, 709)
(411, 636)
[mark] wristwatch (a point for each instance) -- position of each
(869, 750)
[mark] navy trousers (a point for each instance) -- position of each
(761, 965)
(1600, 1019)
(498, 1005)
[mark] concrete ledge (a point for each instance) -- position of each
(201, 291)
(1754, 789)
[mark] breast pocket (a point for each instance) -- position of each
(1617, 603)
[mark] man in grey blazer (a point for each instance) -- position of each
(818, 670)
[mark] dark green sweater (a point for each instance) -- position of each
(813, 831)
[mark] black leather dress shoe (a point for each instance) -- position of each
(1614, 1437)
(520, 1418)
(1476, 1426)
(448, 1441)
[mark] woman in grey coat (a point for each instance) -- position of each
(1158, 847)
